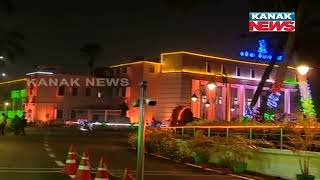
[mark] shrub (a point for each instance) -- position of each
(201, 146)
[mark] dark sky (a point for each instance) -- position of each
(55, 30)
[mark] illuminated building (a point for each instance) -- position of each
(179, 75)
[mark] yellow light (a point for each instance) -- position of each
(194, 97)
(6, 104)
(211, 85)
(220, 58)
(137, 62)
(13, 81)
(303, 69)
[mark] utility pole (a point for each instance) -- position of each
(141, 132)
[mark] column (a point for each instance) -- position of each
(287, 108)
(241, 100)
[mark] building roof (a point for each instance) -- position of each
(220, 58)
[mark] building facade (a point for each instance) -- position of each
(179, 75)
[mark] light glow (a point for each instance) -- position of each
(132, 63)
(194, 97)
(303, 70)
(207, 104)
(211, 85)
(39, 72)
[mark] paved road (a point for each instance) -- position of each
(40, 156)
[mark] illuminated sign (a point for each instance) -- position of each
(262, 52)
(271, 21)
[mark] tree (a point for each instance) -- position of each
(92, 51)
(11, 45)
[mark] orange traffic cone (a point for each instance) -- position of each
(102, 172)
(127, 175)
(70, 167)
(84, 169)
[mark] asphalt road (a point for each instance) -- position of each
(40, 155)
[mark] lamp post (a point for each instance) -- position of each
(141, 132)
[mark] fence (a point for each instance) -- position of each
(275, 134)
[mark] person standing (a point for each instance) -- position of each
(23, 125)
(17, 124)
(3, 122)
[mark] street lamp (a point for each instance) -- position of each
(3, 74)
(207, 104)
(303, 69)
(211, 85)
(1, 57)
(194, 97)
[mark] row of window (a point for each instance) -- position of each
(124, 70)
(74, 91)
(238, 71)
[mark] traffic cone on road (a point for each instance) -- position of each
(127, 175)
(70, 167)
(84, 169)
(102, 172)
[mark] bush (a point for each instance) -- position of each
(201, 146)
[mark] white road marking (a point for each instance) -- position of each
(52, 155)
(59, 163)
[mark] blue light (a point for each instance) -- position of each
(279, 58)
(262, 46)
(262, 52)
(273, 100)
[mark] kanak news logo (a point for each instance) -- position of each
(271, 21)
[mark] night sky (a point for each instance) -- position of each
(56, 30)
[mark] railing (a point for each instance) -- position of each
(274, 134)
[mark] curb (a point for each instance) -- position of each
(197, 166)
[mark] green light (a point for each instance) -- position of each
(308, 107)
(23, 93)
(15, 94)
(291, 81)
(268, 116)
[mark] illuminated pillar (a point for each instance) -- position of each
(241, 100)
(287, 101)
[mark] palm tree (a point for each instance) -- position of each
(92, 51)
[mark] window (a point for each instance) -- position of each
(114, 92)
(124, 70)
(73, 114)
(59, 114)
(117, 71)
(99, 94)
(151, 69)
(61, 90)
(88, 91)
(223, 70)
(252, 73)
(208, 68)
(238, 71)
(122, 92)
(74, 91)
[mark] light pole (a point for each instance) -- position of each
(141, 132)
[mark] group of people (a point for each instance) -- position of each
(18, 124)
